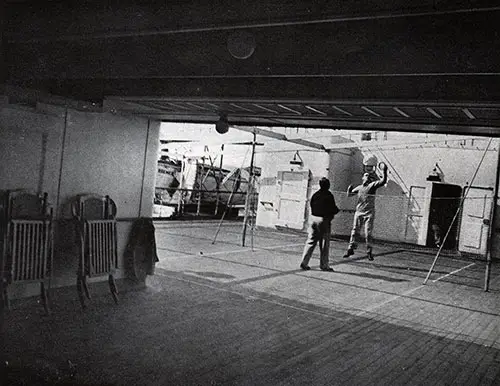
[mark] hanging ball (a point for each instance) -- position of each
(370, 160)
(222, 125)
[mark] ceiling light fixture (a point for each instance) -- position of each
(241, 44)
(297, 160)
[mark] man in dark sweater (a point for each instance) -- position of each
(323, 209)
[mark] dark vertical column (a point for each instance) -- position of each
(3, 67)
(492, 236)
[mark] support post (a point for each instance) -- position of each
(218, 180)
(181, 189)
(493, 220)
(200, 184)
(249, 189)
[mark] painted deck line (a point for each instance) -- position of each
(453, 272)
(255, 298)
(208, 223)
(248, 249)
(406, 293)
(391, 299)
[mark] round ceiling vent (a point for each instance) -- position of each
(241, 44)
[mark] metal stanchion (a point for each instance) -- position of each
(491, 231)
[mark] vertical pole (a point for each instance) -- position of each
(61, 162)
(219, 180)
(3, 306)
(249, 188)
(200, 183)
(144, 162)
(3, 283)
(493, 220)
(253, 206)
(43, 161)
(181, 189)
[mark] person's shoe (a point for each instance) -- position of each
(327, 269)
(349, 252)
(305, 267)
(370, 254)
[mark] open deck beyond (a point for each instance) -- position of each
(217, 314)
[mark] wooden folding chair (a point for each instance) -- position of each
(27, 241)
(96, 219)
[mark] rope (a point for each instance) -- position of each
(230, 198)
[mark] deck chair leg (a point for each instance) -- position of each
(113, 289)
(86, 287)
(81, 291)
(45, 297)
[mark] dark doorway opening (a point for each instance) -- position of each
(445, 201)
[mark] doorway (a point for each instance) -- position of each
(444, 203)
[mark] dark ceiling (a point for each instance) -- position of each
(429, 66)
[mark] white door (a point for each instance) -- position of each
(414, 214)
(291, 198)
(475, 224)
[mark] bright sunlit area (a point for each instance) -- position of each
(201, 171)
(196, 140)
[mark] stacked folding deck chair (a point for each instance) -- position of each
(26, 241)
(96, 219)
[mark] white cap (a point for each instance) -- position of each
(370, 160)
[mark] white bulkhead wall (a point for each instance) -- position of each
(317, 162)
(410, 167)
(69, 152)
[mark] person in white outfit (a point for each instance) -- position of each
(365, 209)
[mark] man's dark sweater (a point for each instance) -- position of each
(323, 204)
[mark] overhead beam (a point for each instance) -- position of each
(311, 121)
(389, 144)
(281, 19)
(306, 143)
(474, 130)
(426, 90)
(343, 102)
(281, 137)
(259, 131)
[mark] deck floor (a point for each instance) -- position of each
(222, 314)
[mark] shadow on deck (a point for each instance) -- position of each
(233, 316)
